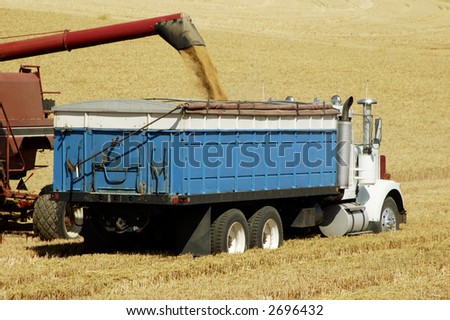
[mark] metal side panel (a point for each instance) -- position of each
(224, 161)
(192, 162)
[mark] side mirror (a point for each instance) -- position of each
(377, 140)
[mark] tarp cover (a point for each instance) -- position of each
(260, 108)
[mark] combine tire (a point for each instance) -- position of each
(229, 233)
(56, 219)
(389, 217)
(266, 230)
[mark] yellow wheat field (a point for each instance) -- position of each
(395, 51)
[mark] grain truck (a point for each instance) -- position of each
(206, 177)
(26, 125)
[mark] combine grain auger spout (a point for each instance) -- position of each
(180, 33)
(177, 29)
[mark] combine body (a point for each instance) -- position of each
(216, 176)
(25, 125)
(26, 128)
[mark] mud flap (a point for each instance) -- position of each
(192, 231)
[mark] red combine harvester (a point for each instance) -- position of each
(24, 128)
(25, 125)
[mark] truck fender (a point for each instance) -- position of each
(373, 196)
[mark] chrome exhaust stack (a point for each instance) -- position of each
(344, 140)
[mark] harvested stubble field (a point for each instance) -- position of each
(395, 51)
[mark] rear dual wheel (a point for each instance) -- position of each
(266, 229)
(231, 233)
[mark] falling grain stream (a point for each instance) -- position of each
(197, 58)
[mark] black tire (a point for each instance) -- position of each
(56, 219)
(229, 233)
(266, 229)
(389, 217)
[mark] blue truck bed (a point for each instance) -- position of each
(173, 152)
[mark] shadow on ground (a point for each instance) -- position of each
(77, 248)
(61, 250)
(51, 250)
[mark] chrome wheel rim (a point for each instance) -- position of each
(236, 238)
(388, 220)
(270, 235)
(73, 221)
